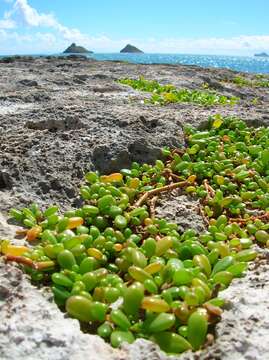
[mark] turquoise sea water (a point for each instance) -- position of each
(239, 63)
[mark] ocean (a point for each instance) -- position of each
(238, 63)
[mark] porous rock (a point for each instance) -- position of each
(32, 327)
(182, 210)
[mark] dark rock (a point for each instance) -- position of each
(106, 161)
(141, 151)
(82, 77)
(4, 292)
(131, 49)
(12, 59)
(5, 180)
(69, 123)
(77, 57)
(8, 59)
(100, 77)
(44, 186)
(28, 82)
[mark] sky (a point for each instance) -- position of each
(229, 27)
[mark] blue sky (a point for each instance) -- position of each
(238, 27)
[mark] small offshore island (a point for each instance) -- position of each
(262, 54)
(131, 50)
(75, 49)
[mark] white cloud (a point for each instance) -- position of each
(31, 16)
(53, 36)
(7, 24)
(3, 35)
(234, 44)
(27, 15)
(47, 39)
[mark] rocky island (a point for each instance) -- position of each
(131, 49)
(262, 54)
(61, 117)
(76, 49)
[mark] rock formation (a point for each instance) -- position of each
(131, 49)
(75, 49)
(262, 54)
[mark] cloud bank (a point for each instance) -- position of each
(23, 29)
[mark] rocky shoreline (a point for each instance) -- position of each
(60, 117)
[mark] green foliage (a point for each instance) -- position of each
(241, 81)
(114, 249)
(166, 94)
(260, 81)
(255, 101)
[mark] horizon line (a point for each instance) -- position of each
(91, 52)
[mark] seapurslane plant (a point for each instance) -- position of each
(260, 81)
(165, 94)
(113, 264)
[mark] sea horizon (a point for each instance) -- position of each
(242, 63)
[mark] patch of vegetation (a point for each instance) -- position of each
(260, 81)
(114, 250)
(255, 101)
(166, 94)
(241, 81)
